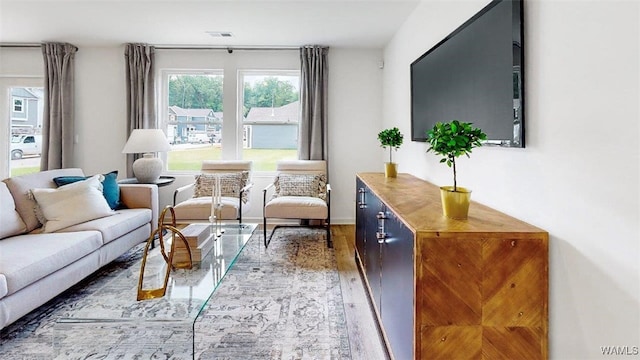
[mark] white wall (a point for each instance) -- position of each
(355, 115)
(100, 110)
(578, 176)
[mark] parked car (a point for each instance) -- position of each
(198, 139)
(22, 145)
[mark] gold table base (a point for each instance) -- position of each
(146, 294)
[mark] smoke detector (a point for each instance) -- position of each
(220, 33)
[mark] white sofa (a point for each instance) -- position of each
(37, 266)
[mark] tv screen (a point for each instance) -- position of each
(474, 75)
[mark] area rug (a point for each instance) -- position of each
(280, 303)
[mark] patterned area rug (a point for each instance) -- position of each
(281, 303)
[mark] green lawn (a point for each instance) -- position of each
(263, 159)
(191, 159)
(24, 170)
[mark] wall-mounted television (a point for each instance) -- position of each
(476, 74)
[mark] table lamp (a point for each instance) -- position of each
(148, 168)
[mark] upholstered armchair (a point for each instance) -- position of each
(299, 191)
(192, 203)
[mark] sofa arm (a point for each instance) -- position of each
(136, 196)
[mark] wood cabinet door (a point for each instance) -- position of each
(397, 287)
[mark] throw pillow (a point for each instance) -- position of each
(110, 187)
(12, 223)
(314, 185)
(230, 184)
(72, 204)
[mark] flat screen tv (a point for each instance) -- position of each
(474, 75)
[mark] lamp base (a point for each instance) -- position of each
(147, 169)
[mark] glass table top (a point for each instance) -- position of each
(187, 293)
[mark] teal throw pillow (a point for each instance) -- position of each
(110, 188)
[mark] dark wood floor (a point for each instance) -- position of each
(364, 338)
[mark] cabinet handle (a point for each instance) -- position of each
(361, 203)
(381, 234)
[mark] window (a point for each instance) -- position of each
(270, 112)
(193, 118)
(18, 105)
(24, 130)
(264, 127)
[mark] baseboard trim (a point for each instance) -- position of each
(254, 220)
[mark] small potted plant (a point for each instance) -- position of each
(450, 140)
(391, 138)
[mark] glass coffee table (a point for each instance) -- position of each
(110, 323)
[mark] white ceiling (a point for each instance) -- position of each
(346, 23)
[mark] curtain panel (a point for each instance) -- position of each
(313, 103)
(141, 97)
(58, 120)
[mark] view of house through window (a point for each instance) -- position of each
(194, 119)
(27, 104)
(270, 112)
(267, 117)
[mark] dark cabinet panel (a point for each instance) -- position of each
(373, 251)
(360, 224)
(397, 287)
(385, 248)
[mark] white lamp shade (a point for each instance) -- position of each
(146, 141)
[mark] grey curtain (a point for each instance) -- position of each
(57, 122)
(313, 102)
(141, 99)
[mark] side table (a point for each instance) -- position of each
(163, 181)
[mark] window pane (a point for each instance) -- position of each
(194, 119)
(271, 115)
(26, 130)
(17, 105)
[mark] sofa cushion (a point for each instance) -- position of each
(3, 286)
(11, 222)
(110, 187)
(27, 258)
(72, 204)
(114, 226)
(199, 208)
(296, 207)
(19, 187)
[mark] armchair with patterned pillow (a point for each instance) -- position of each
(192, 203)
(299, 191)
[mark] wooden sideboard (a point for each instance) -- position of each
(450, 289)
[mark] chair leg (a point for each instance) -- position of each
(264, 227)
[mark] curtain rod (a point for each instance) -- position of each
(226, 48)
(20, 45)
(26, 45)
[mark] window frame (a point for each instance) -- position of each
(163, 107)
(237, 118)
(256, 71)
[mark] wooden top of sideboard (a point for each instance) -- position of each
(417, 204)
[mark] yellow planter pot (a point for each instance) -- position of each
(390, 170)
(455, 205)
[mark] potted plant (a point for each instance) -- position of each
(450, 140)
(391, 138)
